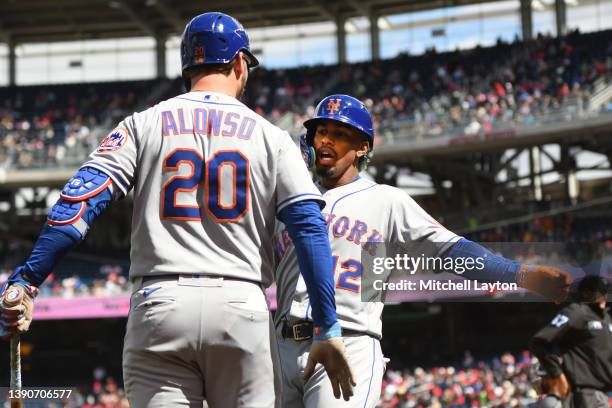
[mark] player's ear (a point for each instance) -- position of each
(364, 148)
(240, 65)
(363, 156)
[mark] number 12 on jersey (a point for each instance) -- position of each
(350, 275)
(206, 175)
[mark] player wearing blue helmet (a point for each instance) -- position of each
(209, 178)
(338, 143)
(340, 111)
(210, 42)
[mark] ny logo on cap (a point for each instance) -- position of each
(333, 106)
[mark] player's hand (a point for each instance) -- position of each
(16, 308)
(558, 386)
(332, 355)
(547, 281)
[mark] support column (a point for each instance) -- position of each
(341, 39)
(535, 168)
(561, 17)
(12, 63)
(160, 55)
(568, 170)
(526, 20)
(374, 37)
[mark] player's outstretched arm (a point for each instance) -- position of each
(414, 225)
(86, 195)
(547, 281)
(308, 232)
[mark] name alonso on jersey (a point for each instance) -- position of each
(207, 121)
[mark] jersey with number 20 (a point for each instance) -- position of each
(209, 177)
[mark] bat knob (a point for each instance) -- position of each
(13, 296)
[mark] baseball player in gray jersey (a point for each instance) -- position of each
(338, 144)
(209, 178)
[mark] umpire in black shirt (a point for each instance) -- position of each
(575, 349)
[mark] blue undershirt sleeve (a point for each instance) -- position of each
(494, 268)
(308, 231)
(55, 241)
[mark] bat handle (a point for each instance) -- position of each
(15, 362)
(10, 298)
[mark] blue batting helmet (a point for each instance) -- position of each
(344, 109)
(214, 38)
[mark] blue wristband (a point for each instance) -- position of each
(327, 332)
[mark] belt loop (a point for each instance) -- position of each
(200, 280)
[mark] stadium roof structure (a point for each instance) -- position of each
(68, 20)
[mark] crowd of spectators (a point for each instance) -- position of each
(467, 92)
(500, 382)
(463, 91)
(109, 280)
(565, 239)
(60, 124)
(103, 392)
(568, 228)
(503, 381)
(417, 96)
(113, 282)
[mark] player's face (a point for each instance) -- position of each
(338, 148)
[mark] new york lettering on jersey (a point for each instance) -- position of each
(349, 234)
(350, 229)
(357, 214)
(354, 231)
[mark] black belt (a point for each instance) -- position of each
(302, 331)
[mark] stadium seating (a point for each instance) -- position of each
(500, 381)
(462, 92)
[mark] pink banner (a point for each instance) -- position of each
(90, 307)
(85, 307)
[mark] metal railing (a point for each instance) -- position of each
(602, 94)
(413, 130)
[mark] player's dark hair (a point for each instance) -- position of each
(208, 69)
(591, 285)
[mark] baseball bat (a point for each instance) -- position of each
(11, 298)
(16, 369)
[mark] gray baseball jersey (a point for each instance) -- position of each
(209, 176)
(358, 212)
